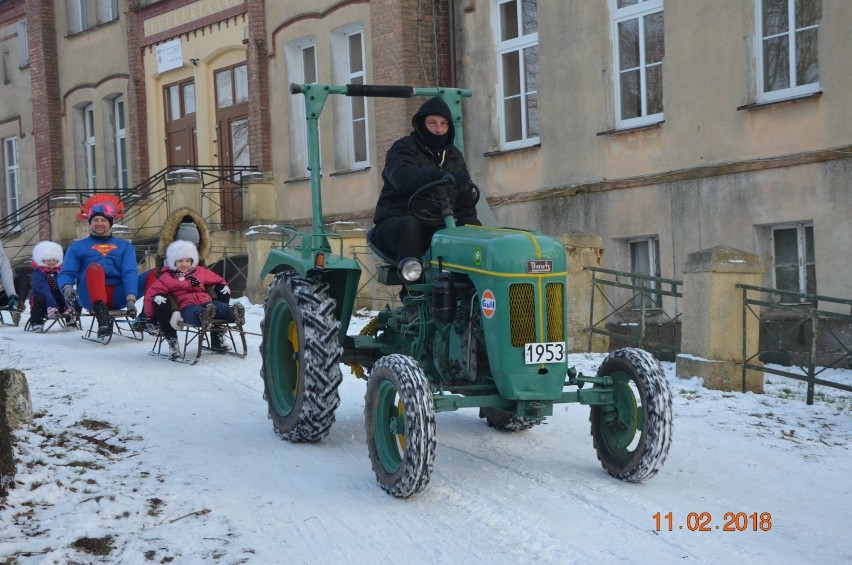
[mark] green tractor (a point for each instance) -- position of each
(491, 334)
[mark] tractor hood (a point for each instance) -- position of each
(490, 250)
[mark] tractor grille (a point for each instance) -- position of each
(522, 311)
(555, 312)
(522, 314)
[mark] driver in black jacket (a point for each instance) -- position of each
(426, 155)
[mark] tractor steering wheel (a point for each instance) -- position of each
(433, 201)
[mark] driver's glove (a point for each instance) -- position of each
(459, 179)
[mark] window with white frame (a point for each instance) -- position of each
(638, 48)
(301, 56)
(89, 146)
(23, 43)
(357, 104)
(77, 15)
(4, 67)
(120, 142)
(516, 26)
(107, 11)
(352, 127)
(788, 48)
(793, 258)
(11, 170)
(645, 260)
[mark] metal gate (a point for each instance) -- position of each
(815, 335)
(644, 300)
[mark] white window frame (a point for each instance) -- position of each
(107, 11)
(346, 128)
(294, 58)
(11, 176)
(652, 255)
(23, 43)
(120, 134)
(90, 146)
(791, 34)
(529, 133)
(801, 251)
(638, 11)
(77, 16)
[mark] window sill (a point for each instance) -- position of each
(501, 152)
(656, 125)
(348, 171)
(90, 29)
(295, 180)
(762, 105)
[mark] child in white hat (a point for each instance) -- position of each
(46, 299)
(187, 281)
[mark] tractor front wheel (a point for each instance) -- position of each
(300, 354)
(400, 424)
(632, 435)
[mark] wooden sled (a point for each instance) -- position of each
(120, 323)
(10, 317)
(198, 340)
(64, 323)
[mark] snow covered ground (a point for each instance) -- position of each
(157, 462)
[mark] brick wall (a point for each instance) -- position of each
(409, 47)
(258, 76)
(136, 107)
(47, 119)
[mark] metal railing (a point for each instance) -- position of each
(805, 318)
(142, 203)
(646, 294)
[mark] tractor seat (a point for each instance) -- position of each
(387, 272)
(378, 252)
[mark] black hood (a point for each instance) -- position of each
(433, 106)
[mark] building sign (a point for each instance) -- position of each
(169, 56)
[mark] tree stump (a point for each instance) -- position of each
(15, 409)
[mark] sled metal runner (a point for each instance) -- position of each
(10, 317)
(196, 339)
(64, 323)
(120, 324)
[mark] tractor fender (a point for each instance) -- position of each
(341, 273)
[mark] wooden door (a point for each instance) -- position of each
(181, 147)
(232, 138)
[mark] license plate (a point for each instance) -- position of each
(537, 353)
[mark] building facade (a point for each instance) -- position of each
(664, 127)
(668, 127)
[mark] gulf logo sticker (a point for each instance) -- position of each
(489, 303)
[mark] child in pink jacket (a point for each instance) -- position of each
(187, 281)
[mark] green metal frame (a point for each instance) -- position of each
(300, 251)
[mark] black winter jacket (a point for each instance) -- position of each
(410, 164)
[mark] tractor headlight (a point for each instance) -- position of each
(410, 269)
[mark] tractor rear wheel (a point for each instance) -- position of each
(633, 435)
(300, 357)
(400, 424)
(505, 421)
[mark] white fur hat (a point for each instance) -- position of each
(181, 249)
(45, 250)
